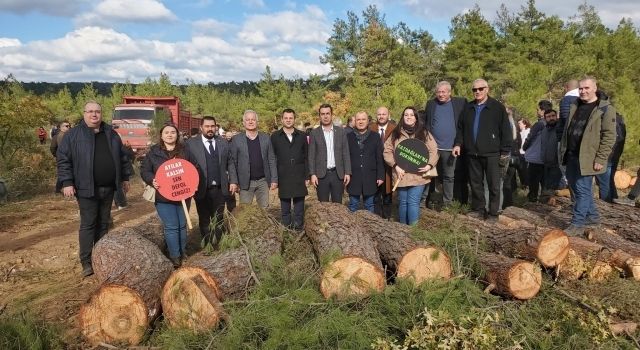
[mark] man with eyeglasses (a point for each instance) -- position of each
(55, 140)
(92, 165)
(485, 135)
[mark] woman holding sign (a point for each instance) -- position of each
(171, 212)
(412, 153)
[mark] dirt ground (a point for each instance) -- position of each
(39, 268)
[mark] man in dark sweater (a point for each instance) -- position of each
(92, 164)
(486, 136)
(442, 115)
(585, 147)
(549, 151)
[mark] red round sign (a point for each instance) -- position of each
(177, 179)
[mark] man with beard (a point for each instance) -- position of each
(549, 145)
(210, 154)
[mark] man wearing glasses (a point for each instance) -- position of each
(55, 140)
(485, 135)
(92, 165)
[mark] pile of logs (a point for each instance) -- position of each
(623, 179)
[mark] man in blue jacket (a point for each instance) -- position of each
(92, 165)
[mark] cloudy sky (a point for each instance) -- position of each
(209, 40)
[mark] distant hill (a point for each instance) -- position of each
(104, 88)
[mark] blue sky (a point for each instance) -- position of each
(210, 40)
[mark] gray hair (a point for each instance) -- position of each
(249, 111)
(443, 83)
(588, 77)
(480, 80)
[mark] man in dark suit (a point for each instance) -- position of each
(329, 161)
(290, 147)
(210, 154)
(252, 170)
(383, 126)
(442, 116)
(365, 149)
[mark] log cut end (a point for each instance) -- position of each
(553, 248)
(114, 314)
(633, 268)
(190, 300)
(525, 280)
(351, 276)
(425, 263)
(572, 267)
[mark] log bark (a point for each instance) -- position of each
(546, 245)
(622, 179)
(626, 254)
(400, 253)
(510, 277)
(589, 260)
(131, 271)
(192, 294)
(350, 262)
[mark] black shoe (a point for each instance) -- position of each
(87, 270)
(476, 214)
(176, 262)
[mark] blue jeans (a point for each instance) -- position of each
(409, 203)
(606, 185)
(354, 202)
(584, 208)
(175, 227)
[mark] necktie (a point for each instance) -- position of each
(382, 133)
(210, 147)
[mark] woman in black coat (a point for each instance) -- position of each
(290, 148)
(367, 164)
(171, 212)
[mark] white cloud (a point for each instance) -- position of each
(308, 27)
(108, 11)
(7, 42)
(252, 4)
(211, 26)
(50, 7)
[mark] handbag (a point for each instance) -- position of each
(149, 193)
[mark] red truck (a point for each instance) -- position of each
(133, 117)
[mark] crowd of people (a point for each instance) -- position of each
(474, 147)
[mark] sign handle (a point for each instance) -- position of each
(186, 214)
(396, 184)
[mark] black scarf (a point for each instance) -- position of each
(361, 138)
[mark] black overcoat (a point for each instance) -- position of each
(367, 164)
(291, 160)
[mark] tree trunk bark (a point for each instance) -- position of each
(131, 271)
(548, 246)
(510, 277)
(349, 258)
(191, 296)
(400, 253)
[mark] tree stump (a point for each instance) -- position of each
(350, 262)
(626, 255)
(192, 294)
(401, 254)
(588, 260)
(131, 271)
(510, 277)
(633, 180)
(622, 179)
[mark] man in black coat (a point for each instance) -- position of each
(92, 165)
(290, 147)
(367, 165)
(485, 134)
(441, 119)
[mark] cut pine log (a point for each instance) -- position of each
(633, 181)
(547, 246)
(400, 253)
(510, 277)
(351, 264)
(131, 271)
(626, 254)
(622, 179)
(587, 260)
(192, 294)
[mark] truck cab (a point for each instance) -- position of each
(132, 122)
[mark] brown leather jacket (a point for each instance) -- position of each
(410, 179)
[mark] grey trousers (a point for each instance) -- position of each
(259, 189)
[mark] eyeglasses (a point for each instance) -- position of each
(96, 112)
(66, 125)
(479, 89)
